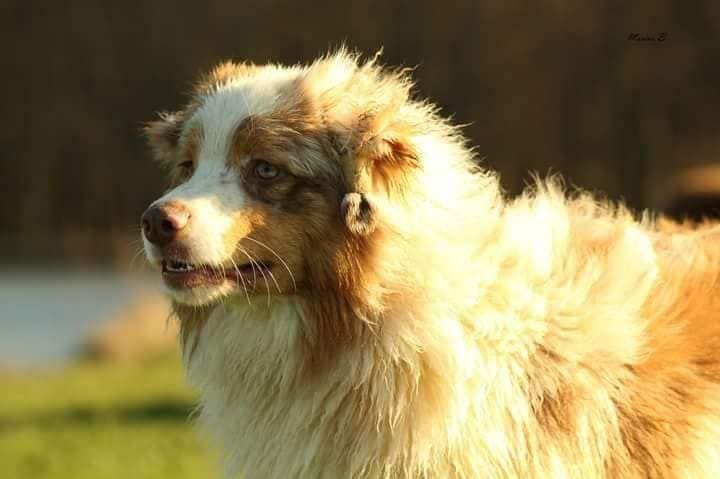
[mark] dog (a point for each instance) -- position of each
(358, 298)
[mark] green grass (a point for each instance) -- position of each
(99, 421)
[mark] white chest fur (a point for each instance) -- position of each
(246, 365)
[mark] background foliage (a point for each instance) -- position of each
(545, 86)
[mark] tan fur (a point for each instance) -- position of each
(463, 335)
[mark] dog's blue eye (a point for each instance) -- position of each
(265, 170)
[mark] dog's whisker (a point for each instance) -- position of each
(136, 229)
(135, 256)
(272, 276)
(253, 264)
(243, 251)
(292, 277)
(239, 280)
(239, 275)
(257, 265)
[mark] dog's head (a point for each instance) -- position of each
(275, 170)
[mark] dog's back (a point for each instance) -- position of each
(623, 380)
(670, 422)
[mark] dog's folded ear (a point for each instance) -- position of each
(378, 165)
(371, 124)
(359, 213)
(163, 134)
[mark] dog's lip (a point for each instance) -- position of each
(182, 275)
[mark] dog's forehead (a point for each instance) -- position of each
(223, 109)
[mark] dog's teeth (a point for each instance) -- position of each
(178, 267)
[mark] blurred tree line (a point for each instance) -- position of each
(613, 95)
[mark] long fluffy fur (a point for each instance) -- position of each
(466, 336)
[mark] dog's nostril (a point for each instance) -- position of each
(162, 223)
(168, 226)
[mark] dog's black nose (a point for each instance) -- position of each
(162, 223)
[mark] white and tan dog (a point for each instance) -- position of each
(358, 300)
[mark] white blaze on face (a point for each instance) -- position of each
(211, 196)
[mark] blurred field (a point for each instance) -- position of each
(101, 420)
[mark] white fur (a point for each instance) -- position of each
(498, 309)
(272, 425)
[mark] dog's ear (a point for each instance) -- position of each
(359, 213)
(371, 125)
(380, 164)
(163, 134)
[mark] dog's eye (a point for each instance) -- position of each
(265, 170)
(183, 170)
(186, 166)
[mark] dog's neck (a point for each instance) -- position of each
(242, 342)
(258, 395)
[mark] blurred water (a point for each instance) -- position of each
(45, 315)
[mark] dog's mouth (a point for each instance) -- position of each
(182, 275)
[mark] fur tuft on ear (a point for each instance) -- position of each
(163, 134)
(391, 160)
(359, 214)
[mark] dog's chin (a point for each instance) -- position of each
(201, 295)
